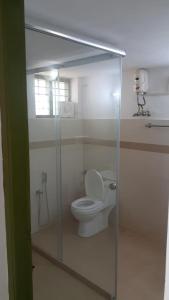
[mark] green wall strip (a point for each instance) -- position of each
(13, 107)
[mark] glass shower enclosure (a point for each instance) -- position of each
(74, 91)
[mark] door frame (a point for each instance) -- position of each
(15, 148)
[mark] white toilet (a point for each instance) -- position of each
(93, 211)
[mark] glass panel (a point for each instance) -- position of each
(62, 85)
(42, 100)
(54, 84)
(43, 90)
(62, 92)
(73, 166)
(62, 98)
(90, 147)
(55, 105)
(42, 83)
(42, 105)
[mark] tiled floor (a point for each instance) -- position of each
(52, 283)
(91, 257)
(141, 268)
(141, 263)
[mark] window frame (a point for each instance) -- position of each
(47, 78)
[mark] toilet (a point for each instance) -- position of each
(92, 211)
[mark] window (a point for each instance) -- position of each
(48, 94)
(42, 97)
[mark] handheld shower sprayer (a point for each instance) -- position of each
(44, 177)
(43, 204)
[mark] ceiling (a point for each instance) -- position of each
(141, 27)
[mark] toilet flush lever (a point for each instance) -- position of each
(113, 186)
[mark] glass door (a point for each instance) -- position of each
(73, 112)
(89, 152)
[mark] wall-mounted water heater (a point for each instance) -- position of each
(141, 88)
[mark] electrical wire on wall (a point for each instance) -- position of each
(141, 87)
(141, 102)
(43, 204)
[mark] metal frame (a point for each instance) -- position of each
(73, 63)
(93, 44)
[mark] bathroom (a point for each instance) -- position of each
(77, 147)
(84, 150)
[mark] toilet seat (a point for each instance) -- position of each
(87, 205)
(93, 202)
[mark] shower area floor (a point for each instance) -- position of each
(49, 279)
(141, 263)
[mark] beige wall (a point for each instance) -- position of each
(44, 159)
(77, 155)
(3, 252)
(166, 292)
(144, 191)
(144, 176)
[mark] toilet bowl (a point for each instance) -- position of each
(92, 211)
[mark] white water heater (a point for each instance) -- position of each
(141, 81)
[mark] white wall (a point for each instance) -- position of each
(3, 251)
(97, 93)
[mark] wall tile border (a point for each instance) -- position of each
(101, 142)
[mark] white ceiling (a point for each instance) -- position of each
(141, 27)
